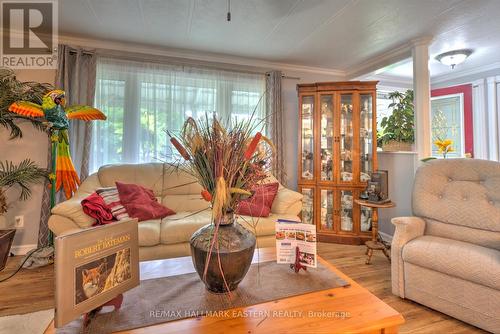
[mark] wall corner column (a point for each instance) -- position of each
(422, 96)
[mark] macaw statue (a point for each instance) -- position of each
(57, 116)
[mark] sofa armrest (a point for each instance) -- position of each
(72, 209)
(60, 225)
(287, 202)
(407, 229)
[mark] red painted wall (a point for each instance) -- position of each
(466, 90)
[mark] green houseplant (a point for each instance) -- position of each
(21, 176)
(398, 130)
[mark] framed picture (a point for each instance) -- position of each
(382, 178)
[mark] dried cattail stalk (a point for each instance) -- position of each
(252, 146)
(180, 148)
(206, 195)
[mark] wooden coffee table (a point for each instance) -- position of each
(350, 309)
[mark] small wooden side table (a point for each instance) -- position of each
(374, 244)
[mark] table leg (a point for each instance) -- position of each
(374, 224)
(370, 253)
(386, 253)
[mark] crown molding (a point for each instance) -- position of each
(224, 59)
(424, 40)
(463, 73)
(387, 58)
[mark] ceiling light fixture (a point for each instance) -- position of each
(228, 10)
(453, 58)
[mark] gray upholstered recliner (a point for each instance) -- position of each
(447, 256)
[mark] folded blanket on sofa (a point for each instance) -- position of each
(94, 206)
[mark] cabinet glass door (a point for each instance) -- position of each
(326, 137)
(346, 138)
(327, 209)
(366, 137)
(307, 120)
(366, 218)
(346, 210)
(308, 206)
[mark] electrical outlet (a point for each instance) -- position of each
(18, 222)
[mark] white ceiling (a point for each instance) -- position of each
(334, 34)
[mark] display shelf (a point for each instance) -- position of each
(337, 143)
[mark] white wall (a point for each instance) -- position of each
(401, 167)
(33, 145)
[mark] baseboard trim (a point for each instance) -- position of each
(22, 249)
(385, 236)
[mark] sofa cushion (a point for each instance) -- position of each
(183, 203)
(455, 258)
(179, 228)
(149, 232)
(155, 176)
(284, 199)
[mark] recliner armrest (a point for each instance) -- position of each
(407, 229)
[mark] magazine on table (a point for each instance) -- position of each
(292, 234)
(93, 266)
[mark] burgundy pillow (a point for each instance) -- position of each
(140, 202)
(259, 205)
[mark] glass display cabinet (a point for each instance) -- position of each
(337, 154)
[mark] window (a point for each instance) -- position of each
(383, 102)
(451, 117)
(447, 123)
(144, 100)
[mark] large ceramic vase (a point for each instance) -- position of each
(236, 247)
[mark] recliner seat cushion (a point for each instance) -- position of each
(455, 258)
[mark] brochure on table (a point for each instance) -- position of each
(292, 234)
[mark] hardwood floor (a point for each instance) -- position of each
(33, 290)
(376, 277)
(30, 290)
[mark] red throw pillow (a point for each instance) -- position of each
(141, 203)
(259, 205)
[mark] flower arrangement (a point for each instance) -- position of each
(444, 146)
(227, 163)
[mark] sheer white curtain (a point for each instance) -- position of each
(486, 106)
(144, 100)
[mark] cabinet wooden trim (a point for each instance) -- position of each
(336, 89)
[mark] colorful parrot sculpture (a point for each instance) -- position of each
(57, 116)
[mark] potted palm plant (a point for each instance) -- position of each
(398, 130)
(21, 176)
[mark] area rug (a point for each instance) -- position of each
(176, 297)
(29, 323)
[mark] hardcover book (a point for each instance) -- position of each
(93, 266)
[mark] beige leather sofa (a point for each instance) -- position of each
(170, 236)
(447, 256)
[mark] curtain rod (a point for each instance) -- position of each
(286, 77)
(171, 60)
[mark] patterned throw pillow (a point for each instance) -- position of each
(259, 205)
(111, 198)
